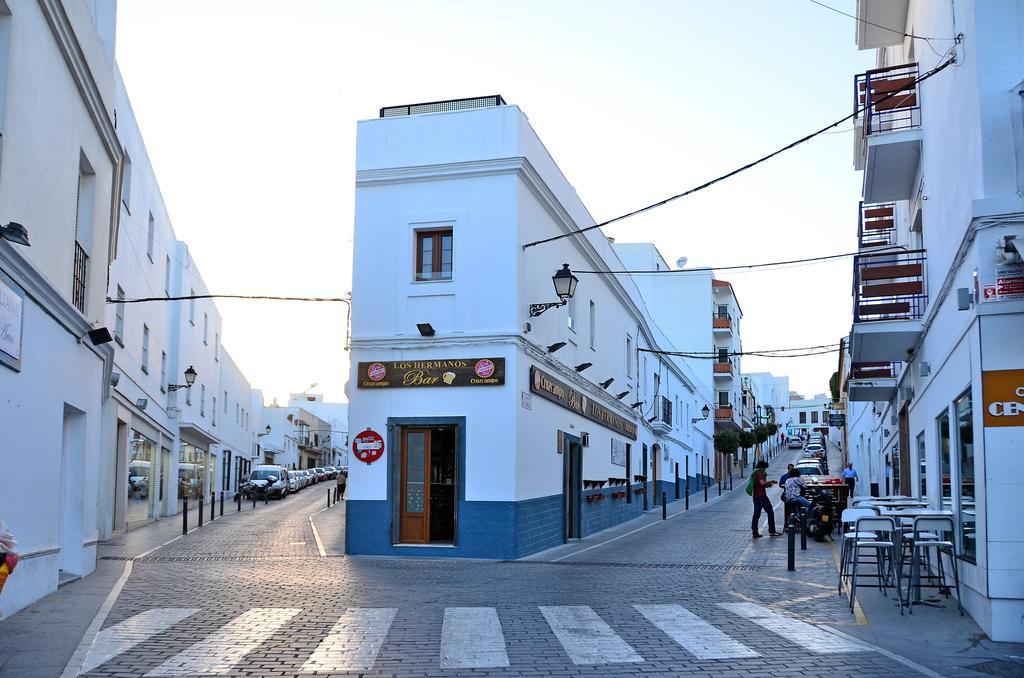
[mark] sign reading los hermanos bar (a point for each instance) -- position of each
(425, 373)
(546, 386)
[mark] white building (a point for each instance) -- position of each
(503, 432)
(805, 416)
(298, 438)
(771, 395)
(335, 416)
(730, 413)
(60, 168)
(936, 362)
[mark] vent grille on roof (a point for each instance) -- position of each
(442, 106)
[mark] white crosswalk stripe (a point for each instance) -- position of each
(354, 641)
(125, 635)
(697, 637)
(471, 638)
(220, 651)
(795, 631)
(586, 638)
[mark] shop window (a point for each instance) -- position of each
(142, 470)
(945, 481)
(434, 255)
(965, 454)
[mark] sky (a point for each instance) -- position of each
(249, 112)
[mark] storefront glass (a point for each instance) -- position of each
(947, 487)
(143, 479)
(922, 464)
(193, 474)
(965, 454)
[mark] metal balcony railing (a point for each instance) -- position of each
(80, 278)
(724, 411)
(442, 106)
(720, 321)
(889, 99)
(889, 286)
(875, 370)
(876, 225)
(722, 366)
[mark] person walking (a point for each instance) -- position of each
(850, 477)
(342, 482)
(757, 487)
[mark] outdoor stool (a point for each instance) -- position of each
(850, 535)
(921, 541)
(884, 546)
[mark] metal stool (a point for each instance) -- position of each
(885, 552)
(925, 536)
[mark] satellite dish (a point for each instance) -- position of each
(681, 262)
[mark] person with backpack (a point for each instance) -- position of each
(757, 487)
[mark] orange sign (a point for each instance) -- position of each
(1003, 394)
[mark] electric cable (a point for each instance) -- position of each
(871, 23)
(785, 262)
(754, 163)
(141, 300)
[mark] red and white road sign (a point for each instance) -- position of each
(368, 446)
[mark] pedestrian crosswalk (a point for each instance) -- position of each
(471, 637)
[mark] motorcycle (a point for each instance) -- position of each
(820, 525)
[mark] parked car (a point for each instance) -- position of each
(794, 444)
(332, 472)
(303, 477)
(293, 482)
(269, 479)
(810, 469)
(814, 447)
(321, 474)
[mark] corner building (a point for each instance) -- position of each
(503, 433)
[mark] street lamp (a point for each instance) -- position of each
(706, 411)
(190, 378)
(565, 286)
(16, 233)
(260, 435)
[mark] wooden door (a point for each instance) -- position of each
(414, 520)
(572, 488)
(655, 453)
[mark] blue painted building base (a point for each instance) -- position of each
(505, 530)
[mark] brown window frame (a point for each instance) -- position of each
(435, 236)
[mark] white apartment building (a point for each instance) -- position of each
(805, 416)
(60, 169)
(297, 438)
(336, 417)
(771, 397)
(730, 413)
(480, 428)
(935, 378)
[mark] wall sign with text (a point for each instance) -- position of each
(11, 320)
(1002, 392)
(428, 373)
(557, 391)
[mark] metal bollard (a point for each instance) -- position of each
(791, 546)
(328, 498)
(730, 480)
(664, 505)
(184, 517)
(239, 499)
(254, 499)
(200, 510)
(803, 532)
(677, 480)
(708, 470)
(266, 496)
(719, 487)
(213, 506)
(687, 507)
(222, 503)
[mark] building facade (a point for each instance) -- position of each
(57, 94)
(480, 428)
(730, 413)
(935, 368)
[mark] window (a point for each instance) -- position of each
(965, 453)
(922, 465)
(167, 276)
(126, 184)
(192, 306)
(434, 255)
(119, 317)
(723, 312)
(163, 371)
(946, 488)
(202, 401)
(629, 357)
(238, 415)
(814, 417)
(593, 324)
(723, 399)
(666, 410)
(570, 317)
(84, 208)
(723, 355)
(803, 417)
(213, 410)
(225, 402)
(206, 327)
(216, 346)
(145, 348)
(150, 234)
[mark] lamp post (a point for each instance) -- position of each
(190, 378)
(706, 411)
(16, 233)
(565, 286)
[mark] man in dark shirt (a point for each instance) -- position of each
(761, 501)
(785, 507)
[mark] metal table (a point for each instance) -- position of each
(913, 512)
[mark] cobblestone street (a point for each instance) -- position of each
(251, 594)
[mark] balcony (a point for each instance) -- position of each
(722, 323)
(876, 225)
(889, 301)
(662, 424)
(725, 418)
(876, 18)
(722, 369)
(888, 131)
(872, 381)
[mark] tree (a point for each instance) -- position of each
(833, 386)
(773, 429)
(727, 442)
(760, 433)
(747, 440)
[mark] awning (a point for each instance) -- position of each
(729, 425)
(196, 435)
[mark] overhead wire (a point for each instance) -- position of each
(871, 23)
(264, 297)
(784, 262)
(707, 184)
